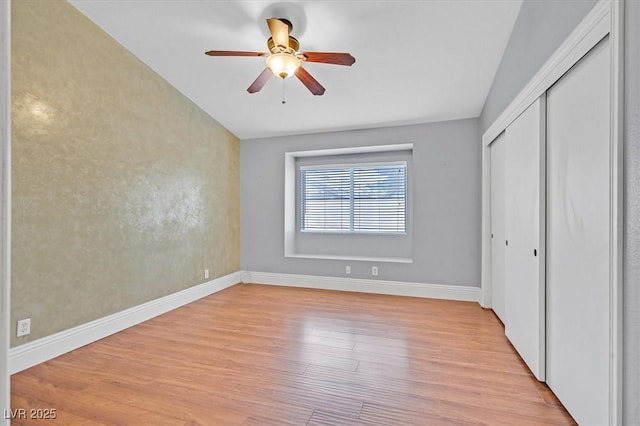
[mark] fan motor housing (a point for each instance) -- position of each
(294, 44)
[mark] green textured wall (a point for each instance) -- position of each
(123, 190)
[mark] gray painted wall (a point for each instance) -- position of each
(632, 217)
(446, 199)
(541, 27)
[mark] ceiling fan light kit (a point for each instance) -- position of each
(284, 59)
(283, 65)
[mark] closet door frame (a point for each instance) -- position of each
(5, 205)
(606, 18)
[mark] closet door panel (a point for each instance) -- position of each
(498, 183)
(578, 237)
(524, 277)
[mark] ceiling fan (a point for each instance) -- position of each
(284, 59)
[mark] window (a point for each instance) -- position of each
(364, 198)
(310, 232)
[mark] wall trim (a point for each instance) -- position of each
(395, 288)
(616, 212)
(46, 348)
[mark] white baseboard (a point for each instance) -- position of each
(396, 288)
(46, 348)
(41, 350)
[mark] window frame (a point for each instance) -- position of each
(350, 166)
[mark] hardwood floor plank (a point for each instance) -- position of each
(382, 414)
(322, 418)
(268, 355)
(490, 416)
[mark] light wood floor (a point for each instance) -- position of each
(265, 355)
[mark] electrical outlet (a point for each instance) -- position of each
(374, 271)
(347, 270)
(206, 274)
(24, 327)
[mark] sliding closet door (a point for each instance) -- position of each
(578, 238)
(498, 226)
(524, 273)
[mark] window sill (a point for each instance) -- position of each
(356, 258)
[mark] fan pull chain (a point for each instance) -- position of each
(283, 86)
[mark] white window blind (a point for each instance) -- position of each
(364, 198)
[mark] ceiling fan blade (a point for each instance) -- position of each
(259, 82)
(279, 31)
(233, 53)
(329, 58)
(310, 82)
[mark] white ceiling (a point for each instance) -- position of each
(416, 61)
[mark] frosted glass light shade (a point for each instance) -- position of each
(283, 65)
